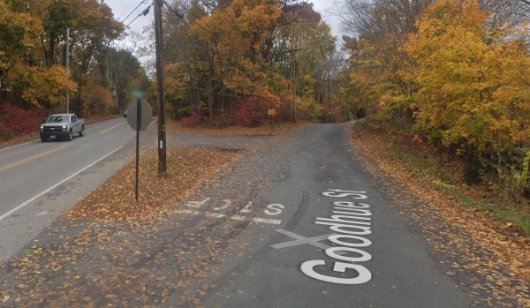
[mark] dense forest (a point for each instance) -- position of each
(450, 74)
(33, 75)
(229, 61)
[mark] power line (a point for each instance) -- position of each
(180, 15)
(143, 1)
(201, 26)
(125, 9)
(145, 12)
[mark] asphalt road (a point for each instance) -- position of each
(296, 222)
(29, 169)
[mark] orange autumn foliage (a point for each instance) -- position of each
(473, 83)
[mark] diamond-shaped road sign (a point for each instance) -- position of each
(145, 117)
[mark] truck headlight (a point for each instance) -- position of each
(64, 127)
(41, 128)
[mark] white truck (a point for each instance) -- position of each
(62, 126)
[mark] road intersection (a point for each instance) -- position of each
(296, 222)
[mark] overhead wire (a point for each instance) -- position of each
(180, 15)
(143, 2)
(125, 10)
(144, 12)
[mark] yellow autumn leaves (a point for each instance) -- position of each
(472, 80)
(454, 74)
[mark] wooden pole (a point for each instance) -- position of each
(159, 40)
(67, 77)
(294, 86)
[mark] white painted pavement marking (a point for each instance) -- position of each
(216, 215)
(300, 240)
(235, 217)
(54, 186)
(227, 204)
(348, 224)
(18, 145)
(197, 203)
(276, 209)
(272, 209)
(185, 212)
(267, 221)
(246, 209)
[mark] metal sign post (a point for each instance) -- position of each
(272, 112)
(139, 115)
(138, 125)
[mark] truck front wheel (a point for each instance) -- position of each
(70, 135)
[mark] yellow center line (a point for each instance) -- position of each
(111, 128)
(31, 158)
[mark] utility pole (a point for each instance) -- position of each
(294, 86)
(67, 77)
(159, 40)
(107, 67)
(116, 88)
(293, 56)
(329, 101)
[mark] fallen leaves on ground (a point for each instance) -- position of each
(115, 199)
(19, 139)
(469, 239)
(176, 127)
(170, 260)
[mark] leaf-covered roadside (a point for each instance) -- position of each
(176, 127)
(468, 241)
(115, 199)
(169, 260)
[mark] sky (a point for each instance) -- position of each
(122, 8)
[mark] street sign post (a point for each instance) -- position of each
(146, 114)
(139, 115)
(272, 112)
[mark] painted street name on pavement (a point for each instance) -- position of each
(352, 221)
(272, 210)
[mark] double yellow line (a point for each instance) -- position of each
(31, 158)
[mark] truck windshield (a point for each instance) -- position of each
(57, 119)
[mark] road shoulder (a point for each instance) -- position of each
(464, 240)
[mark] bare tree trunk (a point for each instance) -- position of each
(51, 51)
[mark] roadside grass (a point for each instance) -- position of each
(115, 199)
(428, 166)
(433, 170)
(510, 214)
(175, 127)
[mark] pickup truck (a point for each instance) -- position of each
(63, 126)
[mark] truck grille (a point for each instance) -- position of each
(53, 128)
